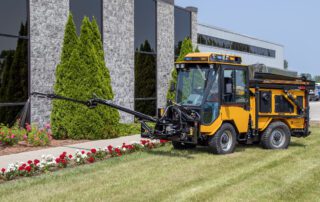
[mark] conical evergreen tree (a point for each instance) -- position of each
(85, 74)
(70, 39)
(186, 48)
(60, 108)
(197, 50)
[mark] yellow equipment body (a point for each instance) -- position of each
(257, 109)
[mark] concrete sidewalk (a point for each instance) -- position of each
(25, 156)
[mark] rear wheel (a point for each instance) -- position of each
(276, 136)
(181, 145)
(224, 141)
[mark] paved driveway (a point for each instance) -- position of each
(315, 111)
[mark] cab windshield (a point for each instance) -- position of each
(192, 82)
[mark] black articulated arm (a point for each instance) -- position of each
(94, 102)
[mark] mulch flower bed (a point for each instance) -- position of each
(50, 163)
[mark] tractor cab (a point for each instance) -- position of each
(205, 80)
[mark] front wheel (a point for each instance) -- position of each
(224, 141)
(276, 136)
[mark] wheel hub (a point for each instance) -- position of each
(226, 140)
(277, 138)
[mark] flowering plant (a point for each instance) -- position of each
(34, 167)
(38, 137)
(10, 136)
(63, 160)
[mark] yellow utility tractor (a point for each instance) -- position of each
(235, 104)
(220, 102)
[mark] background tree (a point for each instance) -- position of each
(317, 78)
(307, 75)
(285, 64)
(14, 82)
(145, 79)
(83, 75)
(186, 48)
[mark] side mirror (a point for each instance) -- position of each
(172, 87)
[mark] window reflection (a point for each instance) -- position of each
(145, 80)
(182, 27)
(89, 8)
(13, 70)
(9, 114)
(13, 14)
(145, 23)
(222, 43)
(13, 59)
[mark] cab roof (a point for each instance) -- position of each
(211, 57)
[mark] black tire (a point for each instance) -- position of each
(181, 145)
(224, 141)
(276, 136)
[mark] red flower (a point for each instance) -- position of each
(62, 156)
(163, 141)
(63, 161)
(24, 165)
(57, 160)
(110, 148)
(70, 156)
(88, 153)
(21, 168)
(36, 161)
(144, 142)
(64, 153)
(91, 159)
(118, 151)
(28, 169)
(93, 151)
(82, 152)
(3, 170)
(29, 162)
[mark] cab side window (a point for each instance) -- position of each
(235, 86)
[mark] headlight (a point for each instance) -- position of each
(177, 66)
(182, 65)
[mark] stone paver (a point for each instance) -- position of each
(25, 156)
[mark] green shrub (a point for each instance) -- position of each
(81, 76)
(186, 48)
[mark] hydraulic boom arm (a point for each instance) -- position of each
(95, 101)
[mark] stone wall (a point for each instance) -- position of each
(165, 49)
(118, 40)
(47, 23)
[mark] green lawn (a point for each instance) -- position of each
(250, 174)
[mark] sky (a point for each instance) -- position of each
(292, 23)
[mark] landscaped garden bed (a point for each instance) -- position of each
(15, 140)
(50, 163)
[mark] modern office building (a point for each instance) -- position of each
(252, 50)
(141, 40)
